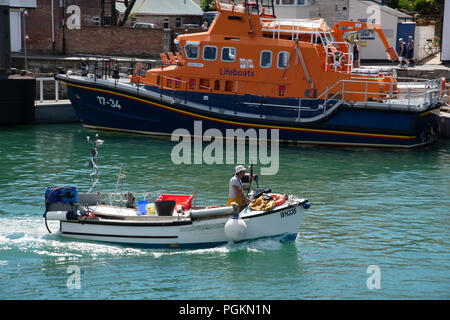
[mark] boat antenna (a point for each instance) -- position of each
(94, 161)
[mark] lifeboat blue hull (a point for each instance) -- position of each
(112, 108)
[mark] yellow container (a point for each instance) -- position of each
(151, 208)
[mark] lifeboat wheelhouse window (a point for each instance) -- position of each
(228, 54)
(209, 53)
(191, 50)
(265, 60)
(283, 60)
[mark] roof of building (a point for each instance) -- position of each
(166, 8)
(387, 9)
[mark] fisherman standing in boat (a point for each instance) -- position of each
(236, 189)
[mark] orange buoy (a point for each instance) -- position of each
(279, 198)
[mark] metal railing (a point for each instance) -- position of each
(120, 198)
(41, 88)
(294, 28)
(104, 67)
(418, 93)
(415, 93)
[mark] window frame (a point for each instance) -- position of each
(198, 51)
(203, 53)
(278, 60)
(166, 22)
(271, 59)
(221, 54)
(178, 22)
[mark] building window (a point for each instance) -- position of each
(283, 60)
(96, 21)
(209, 53)
(291, 2)
(191, 51)
(265, 60)
(166, 23)
(178, 23)
(228, 54)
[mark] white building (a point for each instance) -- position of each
(331, 10)
(445, 55)
(395, 25)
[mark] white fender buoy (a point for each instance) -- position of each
(235, 229)
(56, 215)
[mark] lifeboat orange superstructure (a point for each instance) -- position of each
(247, 51)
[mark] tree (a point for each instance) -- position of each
(208, 5)
(423, 7)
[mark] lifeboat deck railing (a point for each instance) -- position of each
(420, 92)
(413, 95)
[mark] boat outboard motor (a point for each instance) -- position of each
(60, 203)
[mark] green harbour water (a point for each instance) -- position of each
(383, 210)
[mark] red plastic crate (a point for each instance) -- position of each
(181, 199)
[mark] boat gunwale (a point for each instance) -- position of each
(173, 220)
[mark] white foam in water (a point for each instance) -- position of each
(30, 235)
(257, 246)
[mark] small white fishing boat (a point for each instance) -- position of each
(170, 221)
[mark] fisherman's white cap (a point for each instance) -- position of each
(239, 168)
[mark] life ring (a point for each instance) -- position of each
(279, 198)
(337, 60)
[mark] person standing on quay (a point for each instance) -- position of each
(410, 48)
(403, 52)
(356, 61)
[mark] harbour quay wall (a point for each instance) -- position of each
(53, 112)
(424, 72)
(116, 41)
(110, 41)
